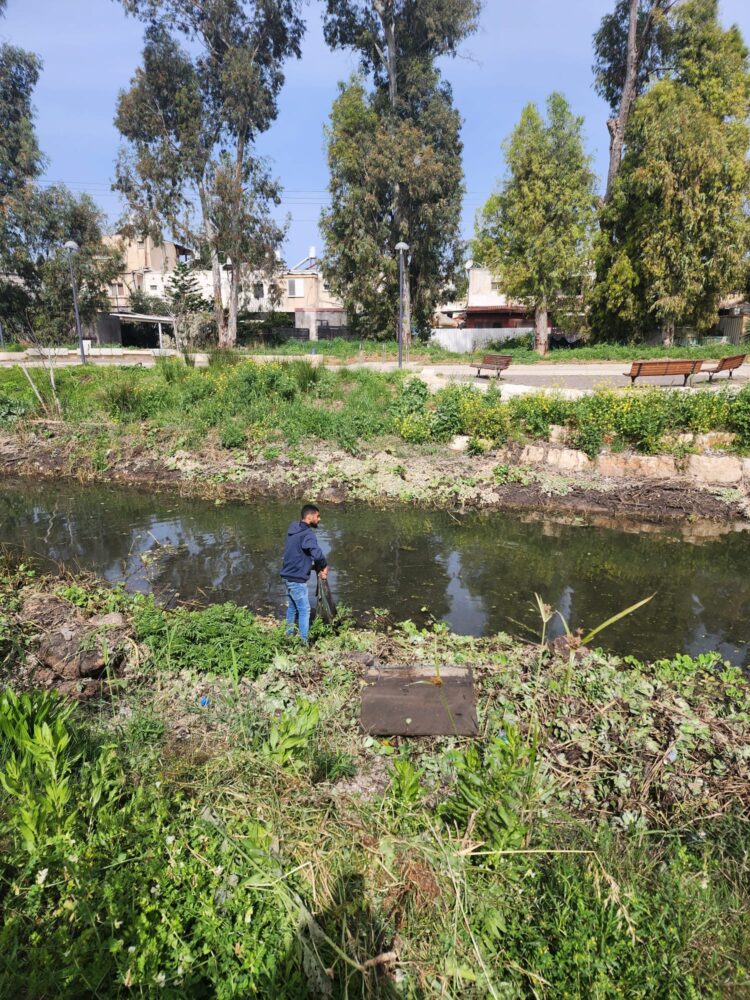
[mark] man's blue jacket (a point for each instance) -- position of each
(301, 553)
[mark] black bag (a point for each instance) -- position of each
(326, 608)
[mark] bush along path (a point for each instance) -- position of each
(211, 821)
(243, 430)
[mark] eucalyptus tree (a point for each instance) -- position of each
(630, 48)
(35, 295)
(674, 235)
(207, 87)
(394, 152)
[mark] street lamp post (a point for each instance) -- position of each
(72, 247)
(402, 249)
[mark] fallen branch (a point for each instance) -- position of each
(385, 958)
(38, 395)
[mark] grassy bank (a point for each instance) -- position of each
(219, 825)
(248, 405)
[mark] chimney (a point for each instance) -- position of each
(312, 253)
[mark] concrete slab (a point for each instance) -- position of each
(415, 701)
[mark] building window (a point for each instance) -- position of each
(296, 288)
(154, 288)
(495, 286)
(258, 290)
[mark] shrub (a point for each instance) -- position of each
(535, 413)
(232, 435)
(11, 409)
(415, 428)
(220, 639)
(739, 416)
(447, 418)
(412, 398)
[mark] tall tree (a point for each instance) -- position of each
(630, 48)
(21, 161)
(674, 236)
(535, 233)
(396, 150)
(44, 302)
(207, 88)
(35, 294)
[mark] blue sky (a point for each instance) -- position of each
(521, 53)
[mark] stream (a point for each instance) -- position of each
(478, 572)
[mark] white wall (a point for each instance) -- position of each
(466, 341)
(157, 283)
(481, 292)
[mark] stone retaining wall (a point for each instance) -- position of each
(720, 470)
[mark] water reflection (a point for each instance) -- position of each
(477, 572)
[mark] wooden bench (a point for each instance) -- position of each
(667, 367)
(495, 362)
(726, 365)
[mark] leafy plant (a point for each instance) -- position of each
(290, 734)
(406, 785)
(37, 762)
(210, 640)
(232, 435)
(492, 793)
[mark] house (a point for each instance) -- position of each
(486, 317)
(145, 264)
(487, 308)
(300, 291)
(305, 295)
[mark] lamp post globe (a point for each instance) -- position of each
(72, 247)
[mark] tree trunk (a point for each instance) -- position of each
(617, 126)
(234, 303)
(235, 273)
(407, 303)
(384, 10)
(219, 319)
(221, 322)
(667, 335)
(541, 329)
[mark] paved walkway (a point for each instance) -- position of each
(570, 379)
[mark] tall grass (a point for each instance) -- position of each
(237, 400)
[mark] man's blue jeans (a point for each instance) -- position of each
(298, 609)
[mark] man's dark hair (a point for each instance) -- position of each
(309, 508)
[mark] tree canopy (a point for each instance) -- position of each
(207, 87)
(674, 237)
(535, 232)
(394, 152)
(35, 294)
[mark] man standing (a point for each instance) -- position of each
(302, 554)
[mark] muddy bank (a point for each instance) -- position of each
(392, 473)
